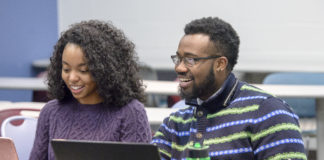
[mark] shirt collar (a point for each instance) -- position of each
(200, 101)
(220, 98)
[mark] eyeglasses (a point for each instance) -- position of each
(189, 61)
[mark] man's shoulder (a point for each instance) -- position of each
(246, 89)
(252, 94)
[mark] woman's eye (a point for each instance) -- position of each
(84, 71)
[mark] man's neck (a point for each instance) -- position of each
(200, 101)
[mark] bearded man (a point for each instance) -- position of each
(233, 118)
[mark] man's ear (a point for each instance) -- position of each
(221, 64)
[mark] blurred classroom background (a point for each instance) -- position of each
(276, 36)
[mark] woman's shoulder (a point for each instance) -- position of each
(133, 105)
(49, 108)
(52, 105)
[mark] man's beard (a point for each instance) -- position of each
(206, 87)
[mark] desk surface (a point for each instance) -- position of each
(167, 87)
(41, 63)
(171, 88)
(155, 115)
(256, 67)
(22, 83)
(269, 68)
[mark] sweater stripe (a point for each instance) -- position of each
(288, 155)
(158, 133)
(234, 111)
(239, 150)
(225, 112)
(161, 141)
(186, 111)
(252, 121)
(277, 143)
(236, 136)
(239, 111)
(230, 124)
(240, 99)
(218, 114)
(181, 120)
(251, 88)
(181, 147)
(228, 138)
(165, 152)
(180, 133)
(274, 129)
(230, 151)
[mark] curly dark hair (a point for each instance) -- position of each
(111, 59)
(221, 33)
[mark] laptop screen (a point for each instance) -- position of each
(103, 150)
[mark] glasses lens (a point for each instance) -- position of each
(175, 59)
(189, 61)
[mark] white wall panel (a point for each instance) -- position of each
(276, 35)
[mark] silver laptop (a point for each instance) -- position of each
(103, 150)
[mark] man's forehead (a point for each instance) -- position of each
(197, 36)
(195, 43)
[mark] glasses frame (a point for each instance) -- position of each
(177, 59)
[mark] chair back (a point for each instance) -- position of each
(13, 111)
(21, 129)
(303, 107)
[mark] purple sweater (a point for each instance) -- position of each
(72, 120)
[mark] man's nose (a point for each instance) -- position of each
(181, 67)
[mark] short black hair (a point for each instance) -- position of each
(111, 60)
(220, 33)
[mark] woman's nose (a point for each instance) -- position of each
(73, 76)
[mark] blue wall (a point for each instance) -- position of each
(28, 32)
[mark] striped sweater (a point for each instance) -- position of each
(240, 122)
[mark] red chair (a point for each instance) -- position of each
(5, 113)
(21, 129)
(19, 124)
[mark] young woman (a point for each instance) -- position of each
(96, 90)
